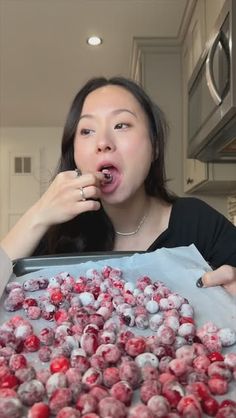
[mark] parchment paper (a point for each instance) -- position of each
(179, 268)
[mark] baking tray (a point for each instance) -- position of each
(26, 265)
(166, 264)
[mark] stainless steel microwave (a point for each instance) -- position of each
(212, 94)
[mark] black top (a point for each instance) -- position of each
(193, 221)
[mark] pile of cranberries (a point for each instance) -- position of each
(110, 348)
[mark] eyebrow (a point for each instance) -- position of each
(115, 112)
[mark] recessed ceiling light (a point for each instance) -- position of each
(94, 40)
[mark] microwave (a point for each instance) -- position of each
(212, 94)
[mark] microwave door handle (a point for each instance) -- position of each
(209, 71)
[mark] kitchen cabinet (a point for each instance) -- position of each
(199, 31)
(197, 175)
(212, 10)
(194, 171)
(195, 38)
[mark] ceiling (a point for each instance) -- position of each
(45, 58)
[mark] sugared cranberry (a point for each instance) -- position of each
(32, 343)
(111, 376)
(86, 403)
(111, 407)
(56, 297)
(29, 302)
(210, 406)
(59, 364)
(17, 361)
(70, 412)
(39, 410)
(61, 398)
(9, 381)
(215, 356)
(135, 346)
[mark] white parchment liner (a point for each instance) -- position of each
(178, 267)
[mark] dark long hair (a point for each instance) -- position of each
(93, 231)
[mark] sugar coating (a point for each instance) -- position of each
(93, 355)
(129, 286)
(227, 336)
(152, 306)
(145, 359)
(111, 407)
(31, 392)
(122, 391)
(86, 298)
(159, 403)
(11, 407)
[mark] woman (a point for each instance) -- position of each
(110, 191)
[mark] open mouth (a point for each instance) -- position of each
(108, 177)
(111, 177)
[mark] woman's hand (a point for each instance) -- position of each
(68, 196)
(224, 276)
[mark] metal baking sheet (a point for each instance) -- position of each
(23, 266)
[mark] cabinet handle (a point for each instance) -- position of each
(189, 180)
(220, 40)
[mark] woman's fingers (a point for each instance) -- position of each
(88, 192)
(68, 196)
(223, 276)
(89, 178)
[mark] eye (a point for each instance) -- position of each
(122, 125)
(85, 131)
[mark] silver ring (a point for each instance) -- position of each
(83, 198)
(78, 172)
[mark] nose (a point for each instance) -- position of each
(105, 143)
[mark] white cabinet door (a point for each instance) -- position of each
(194, 171)
(195, 39)
(21, 185)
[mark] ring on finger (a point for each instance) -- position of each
(83, 197)
(78, 172)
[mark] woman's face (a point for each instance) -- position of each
(113, 134)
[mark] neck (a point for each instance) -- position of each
(129, 217)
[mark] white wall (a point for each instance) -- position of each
(43, 145)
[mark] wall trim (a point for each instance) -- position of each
(141, 45)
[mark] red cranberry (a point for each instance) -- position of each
(218, 385)
(17, 361)
(57, 297)
(9, 381)
(215, 356)
(227, 402)
(135, 346)
(32, 343)
(29, 302)
(210, 406)
(59, 364)
(86, 403)
(39, 410)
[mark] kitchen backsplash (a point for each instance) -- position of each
(232, 209)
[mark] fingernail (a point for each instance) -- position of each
(199, 282)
